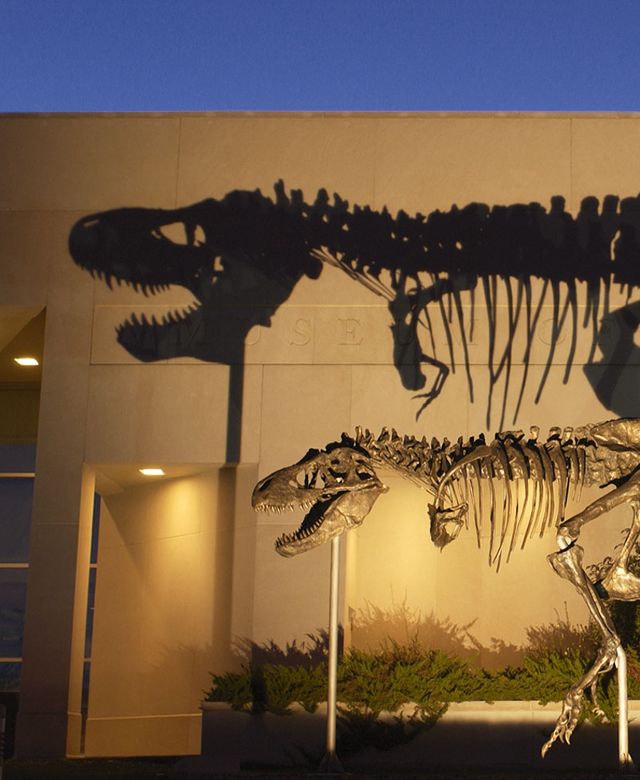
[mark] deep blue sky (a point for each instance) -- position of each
(144, 55)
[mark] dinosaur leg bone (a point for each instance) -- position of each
(568, 565)
(569, 530)
(619, 582)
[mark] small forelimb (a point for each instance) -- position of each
(446, 523)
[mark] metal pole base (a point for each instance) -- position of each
(625, 762)
(330, 765)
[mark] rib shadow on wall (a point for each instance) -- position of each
(242, 256)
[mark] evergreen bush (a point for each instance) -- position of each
(372, 682)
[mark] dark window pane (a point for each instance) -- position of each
(16, 494)
(10, 676)
(13, 592)
(95, 528)
(17, 458)
(86, 674)
(91, 600)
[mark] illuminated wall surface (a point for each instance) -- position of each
(224, 292)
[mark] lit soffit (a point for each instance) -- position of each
(21, 335)
(117, 477)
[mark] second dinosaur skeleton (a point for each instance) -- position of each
(517, 484)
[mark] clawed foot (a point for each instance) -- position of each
(428, 397)
(597, 709)
(567, 721)
(435, 391)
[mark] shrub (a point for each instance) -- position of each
(370, 683)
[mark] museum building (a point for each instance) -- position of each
(208, 296)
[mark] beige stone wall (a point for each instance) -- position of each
(322, 367)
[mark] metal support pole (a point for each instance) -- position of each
(624, 759)
(330, 762)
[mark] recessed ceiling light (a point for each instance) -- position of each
(26, 361)
(152, 472)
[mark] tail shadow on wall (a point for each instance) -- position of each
(242, 256)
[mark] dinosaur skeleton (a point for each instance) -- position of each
(516, 483)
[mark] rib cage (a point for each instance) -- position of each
(515, 483)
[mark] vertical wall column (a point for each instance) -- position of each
(49, 720)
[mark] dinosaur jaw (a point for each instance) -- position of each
(337, 485)
(148, 249)
(328, 518)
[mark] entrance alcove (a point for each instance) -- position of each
(169, 600)
(21, 336)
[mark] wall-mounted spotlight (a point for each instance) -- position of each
(152, 472)
(27, 361)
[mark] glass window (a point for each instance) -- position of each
(16, 494)
(86, 675)
(95, 528)
(10, 676)
(90, 607)
(13, 594)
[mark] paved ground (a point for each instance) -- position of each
(161, 768)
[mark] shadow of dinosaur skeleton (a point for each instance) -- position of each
(242, 256)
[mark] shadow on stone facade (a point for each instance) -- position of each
(242, 256)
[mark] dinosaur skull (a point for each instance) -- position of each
(338, 485)
(220, 251)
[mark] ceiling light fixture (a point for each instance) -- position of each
(152, 472)
(26, 361)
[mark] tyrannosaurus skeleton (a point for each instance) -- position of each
(518, 484)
